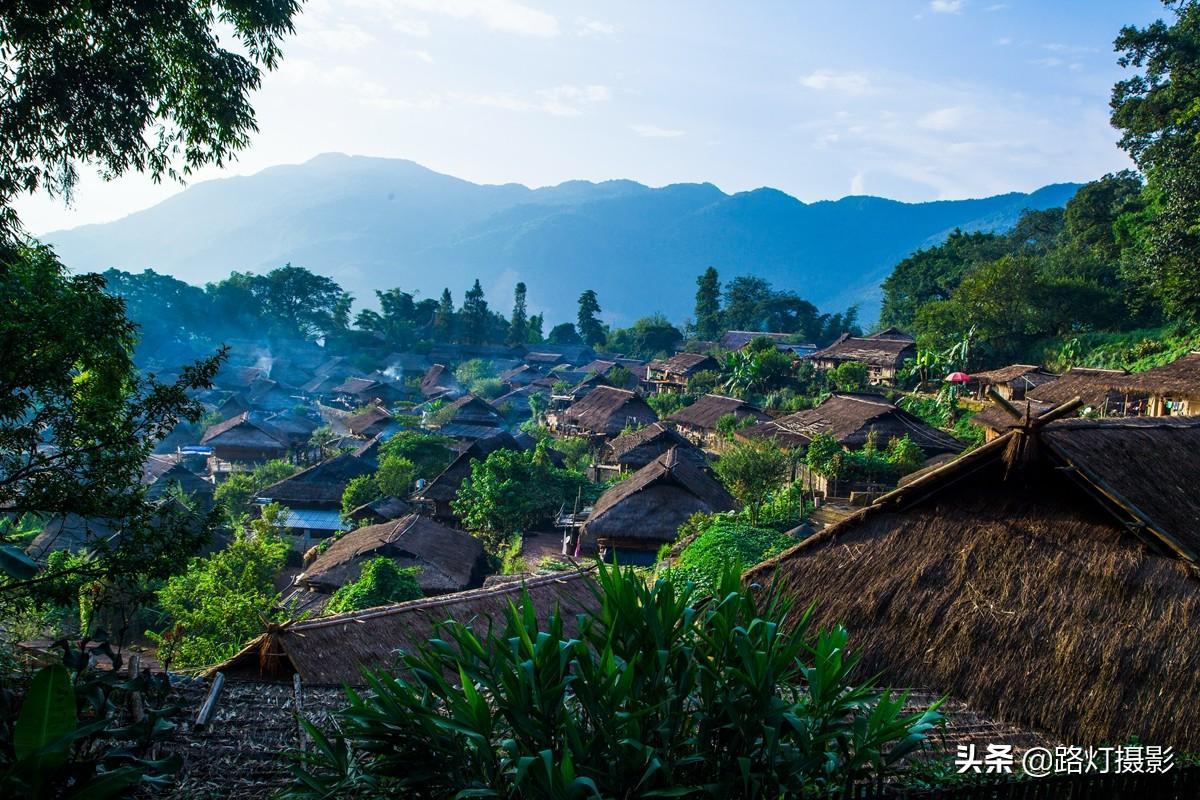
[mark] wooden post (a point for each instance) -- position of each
(210, 702)
(298, 694)
(136, 707)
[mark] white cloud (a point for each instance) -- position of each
(349, 81)
(943, 119)
(1003, 41)
(857, 184)
(594, 27)
(843, 82)
(946, 6)
(507, 16)
(559, 101)
(655, 132)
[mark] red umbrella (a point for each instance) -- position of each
(958, 377)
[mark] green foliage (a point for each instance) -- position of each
(667, 403)
(221, 600)
(510, 491)
(588, 325)
(783, 510)
(165, 97)
(850, 376)
(472, 370)
(360, 491)
(395, 476)
(512, 557)
(751, 370)
(429, 453)
(69, 738)
(730, 424)
(564, 333)
(380, 583)
(235, 494)
(726, 544)
(649, 337)
(518, 326)
(708, 306)
(474, 318)
(663, 692)
(576, 450)
(826, 457)
(751, 471)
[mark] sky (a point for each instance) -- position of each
(909, 99)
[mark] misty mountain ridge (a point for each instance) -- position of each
(377, 223)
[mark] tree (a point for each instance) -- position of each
(1158, 114)
(323, 438)
(708, 305)
(299, 302)
(745, 303)
(443, 320)
(220, 601)
(128, 86)
(649, 337)
(535, 329)
(361, 489)
(518, 326)
(428, 453)
(933, 273)
(395, 476)
(564, 333)
(236, 492)
(590, 329)
(849, 376)
(67, 379)
(474, 317)
(751, 471)
(381, 582)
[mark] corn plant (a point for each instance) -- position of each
(658, 692)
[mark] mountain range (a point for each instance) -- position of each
(376, 223)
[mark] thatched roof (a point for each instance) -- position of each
(1181, 376)
(850, 418)
(997, 419)
(449, 560)
(243, 431)
(1031, 375)
(191, 484)
(736, 340)
(371, 422)
(319, 486)
(687, 363)
(705, 412)
(1036, 578)
(653, 502)
(894, 334)
(636, 450)
(472, 410)
(606, 411)
(234, 405)
(445, 486)
(439, 380)
(332, 650)
(381, 510)
(873, 352)
(1094, 386)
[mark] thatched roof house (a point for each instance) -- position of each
(449, 560)
(441, 491)
(883, 356)
(995, 421)
(371, 423)
(360, 391)
(242, 438)
(472, 410)
(1173, 389)
(1013, 381)
(439, 381)
(698, 422)
(191, 484)
(331, 651)
(382, 510)
(851, 418)
(1107, 392)
(633, 451)
(673, 373)
(603, 412)
(319, 486)
(1047, 578)
(635, 517)
(892, 333)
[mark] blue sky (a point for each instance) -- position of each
(910, 99)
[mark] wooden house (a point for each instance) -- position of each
(242, 439)
(698, 421)
(883, 356)
(448, 560)
(470, 418)
(1105, 392)
(636, 516)
(632, 451)
(179, 478)
(365, 390)
(313, 496)
(1172, 389)
(1047, 578)
(374, 421)
(1011, 382)
(604, 413)
(384, 509)
(440, 492)
(439, 381)
(851, 418)
(672, 375)
(268, 395)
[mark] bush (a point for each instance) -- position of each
(727, 544)
(359, 491)
(751, 471)
(661, 693)
(380, 583)
(666, 403)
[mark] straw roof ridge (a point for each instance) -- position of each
(669, 468)
(705, 412)
(262, 428)
(598, 410)
(322, 484)
(1181, 375)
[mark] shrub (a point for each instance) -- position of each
(727, 544)
(662, 692)
(359, 491)
(751, 471)
(380, 583)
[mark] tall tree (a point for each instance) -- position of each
(708, 305)
(443, 319)
(535, 328)
(746, 298)
(518, 326)
(589, 327)
(127, 85)
(1158, 114)
(475, 317)
(299, 302)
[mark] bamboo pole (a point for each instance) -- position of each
(298, 693)
(136, 707)
(210, 702)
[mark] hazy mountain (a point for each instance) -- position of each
(376, 223)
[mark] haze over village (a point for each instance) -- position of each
(508, 399)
